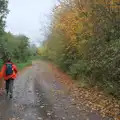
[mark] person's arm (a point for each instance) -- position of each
(0, 75)
(2, 72)
(15, 69)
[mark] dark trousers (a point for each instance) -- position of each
(9, 86)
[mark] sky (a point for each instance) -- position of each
(28, 17)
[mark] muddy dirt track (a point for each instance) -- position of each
(39, 96)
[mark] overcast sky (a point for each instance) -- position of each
(27, 17)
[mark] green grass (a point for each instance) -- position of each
(20, 66)
(37, 57)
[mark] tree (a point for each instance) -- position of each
(3, 13)
(21, 52)
(85, 41)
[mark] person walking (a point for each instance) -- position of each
(9, 73)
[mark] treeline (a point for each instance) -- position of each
(84, 40)
(17, 47)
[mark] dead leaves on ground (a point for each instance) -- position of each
(91, 97)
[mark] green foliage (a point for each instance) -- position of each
(33, 50)
(79, 69)
(15, 46)
(104, 64)
(1, 63)
(21, 52)
(3, 13)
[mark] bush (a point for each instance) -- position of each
(80, 68)
(85, 42)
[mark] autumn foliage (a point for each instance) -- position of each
(84, 41)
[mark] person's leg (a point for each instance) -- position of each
(1, 86)
(7, 86)
(11, 87)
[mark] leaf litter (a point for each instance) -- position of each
(90, 97)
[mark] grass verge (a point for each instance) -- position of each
(20, 66)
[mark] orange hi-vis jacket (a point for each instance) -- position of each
(3, 72)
